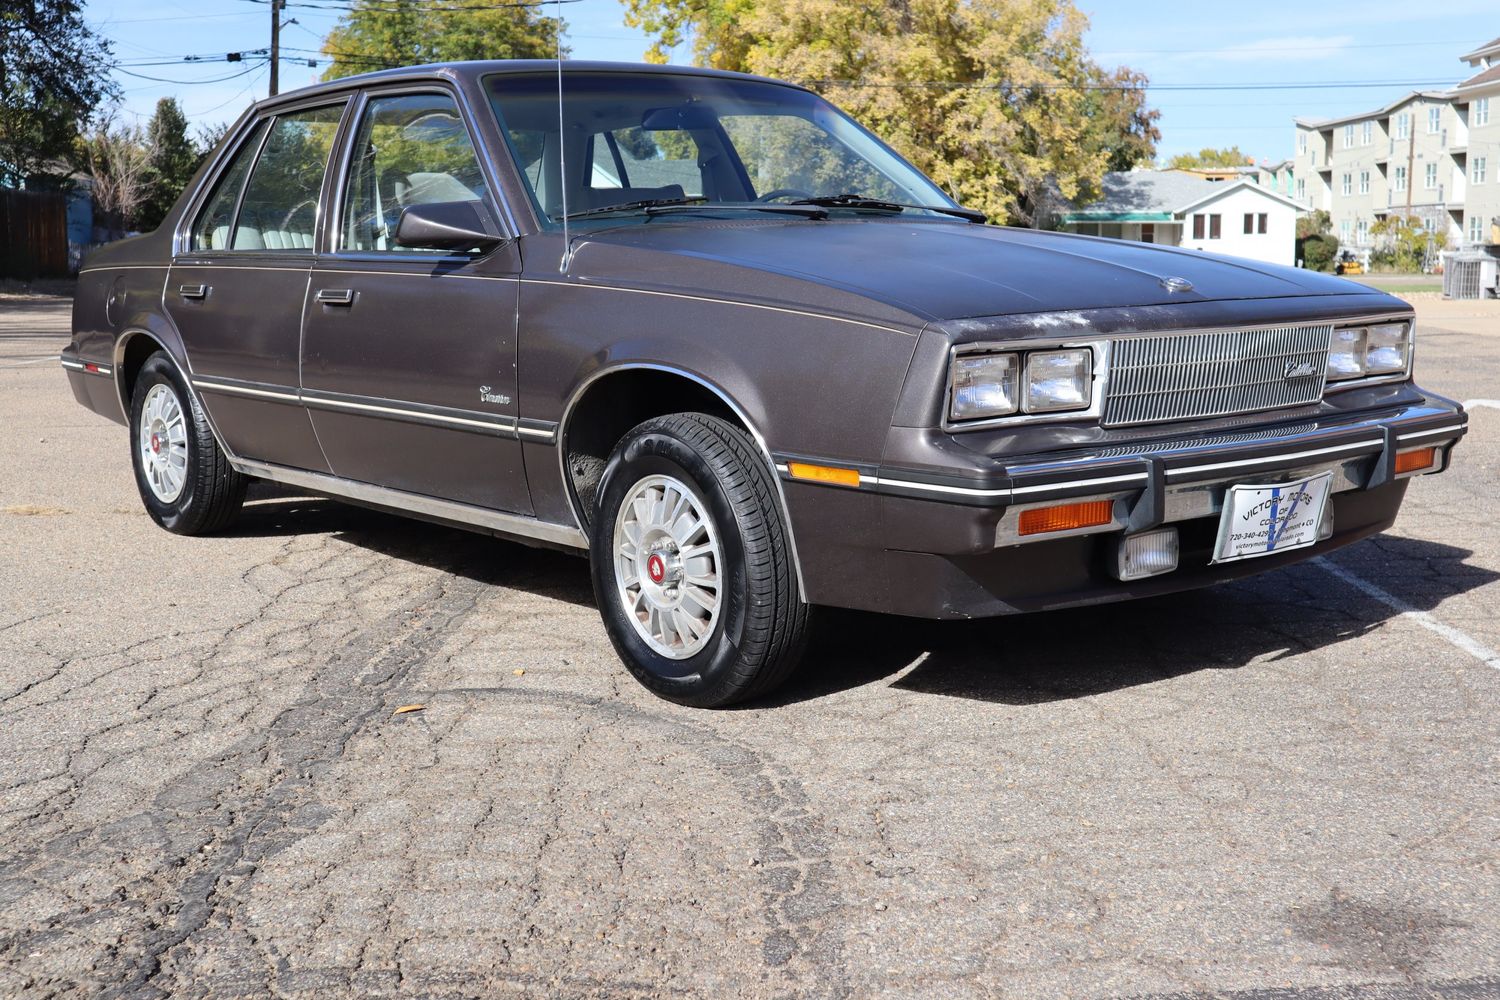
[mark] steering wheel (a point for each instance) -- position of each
(784, 193)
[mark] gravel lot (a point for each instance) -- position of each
(1281, 789)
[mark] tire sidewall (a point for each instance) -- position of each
(697, 678)
(159, 370)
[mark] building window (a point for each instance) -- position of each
(1476, 229)
(1399, 184)
(1403, 126)
(1480, 111)
(1301, 142)
(1429, 177)
(1434, 120)
(1363, 231)
(1364, 182)
(1343, 230)
(1148, 232)
(1197, 227)
(1349, 136)
(1249, 223)
(1262, 221)
(1429, 224)
(1366, 130)
(1478, 172)
(1301, 188)
(1346, 185)
(1214, 232)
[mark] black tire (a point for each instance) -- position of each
(212, 491)
(761, 628)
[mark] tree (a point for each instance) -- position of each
(118, 158)
(52, 75)
(378, 34)
(173, 158)
(1404, 242)
(997, 100)
(1231, 157)
(1315, 223)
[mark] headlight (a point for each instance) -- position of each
(1346, 353)
(1386, 348)
(996, 385)
(984, 385)
(1059, 380)
(1383, 349)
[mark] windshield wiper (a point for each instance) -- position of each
(636, 206)
(806, 211)
(881, 205)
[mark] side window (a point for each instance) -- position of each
(280, 207)
(410, 150)
(212, 230)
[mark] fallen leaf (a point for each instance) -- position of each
(407, 708)
(32, 510)
(518, 671)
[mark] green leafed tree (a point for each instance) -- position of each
(997, 100)
(379, 34)
(173, 158)
(52, 76)
(1231, 157)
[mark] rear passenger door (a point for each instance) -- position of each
(237, 289)
(409, 358)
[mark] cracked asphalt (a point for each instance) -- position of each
(1281, 789)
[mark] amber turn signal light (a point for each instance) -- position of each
(1415, 460)
(1069, 516)
(823, 474)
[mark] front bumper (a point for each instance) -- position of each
(935, 544)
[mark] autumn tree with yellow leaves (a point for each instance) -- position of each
(996, 100)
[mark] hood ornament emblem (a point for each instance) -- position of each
(1174, 284)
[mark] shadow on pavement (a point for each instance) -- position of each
(1058, 655)
(272, 512)
(1020, 660)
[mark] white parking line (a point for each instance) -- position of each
(1457, 637)
(33, 361)
(1493, 404)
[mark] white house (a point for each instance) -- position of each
(1170, 207)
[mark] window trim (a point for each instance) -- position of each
(327, 245)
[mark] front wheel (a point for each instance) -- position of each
(691, 565)
(185, 480)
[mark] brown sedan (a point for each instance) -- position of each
(710, 331)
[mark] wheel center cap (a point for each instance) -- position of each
(656, 568)
(156, 443)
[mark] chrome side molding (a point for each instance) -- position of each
(516, 526)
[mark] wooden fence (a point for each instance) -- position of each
(33, 234)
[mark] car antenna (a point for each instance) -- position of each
(562, 145)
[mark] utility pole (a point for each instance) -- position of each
(275, 43)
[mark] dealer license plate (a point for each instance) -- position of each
(1260, 520)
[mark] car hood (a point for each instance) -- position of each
(942, 270)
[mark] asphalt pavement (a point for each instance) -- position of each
(1280, 789)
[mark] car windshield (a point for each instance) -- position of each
(638, 144)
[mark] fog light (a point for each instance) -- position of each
(1150, 553)
(1415, 460)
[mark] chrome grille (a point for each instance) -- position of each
(1182, 376)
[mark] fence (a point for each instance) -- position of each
(33, 234)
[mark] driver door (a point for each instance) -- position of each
(409, 356)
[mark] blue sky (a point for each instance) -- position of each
(1399, 43)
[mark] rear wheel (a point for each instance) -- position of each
(184, 478)
(691, 566)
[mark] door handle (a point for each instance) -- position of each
(335, 296)
(193, 291)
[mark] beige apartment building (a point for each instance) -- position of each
(1432, 154)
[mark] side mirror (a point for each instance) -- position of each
(447, 225)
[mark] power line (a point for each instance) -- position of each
(391, 7)
(953, 85)
(217, 79)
